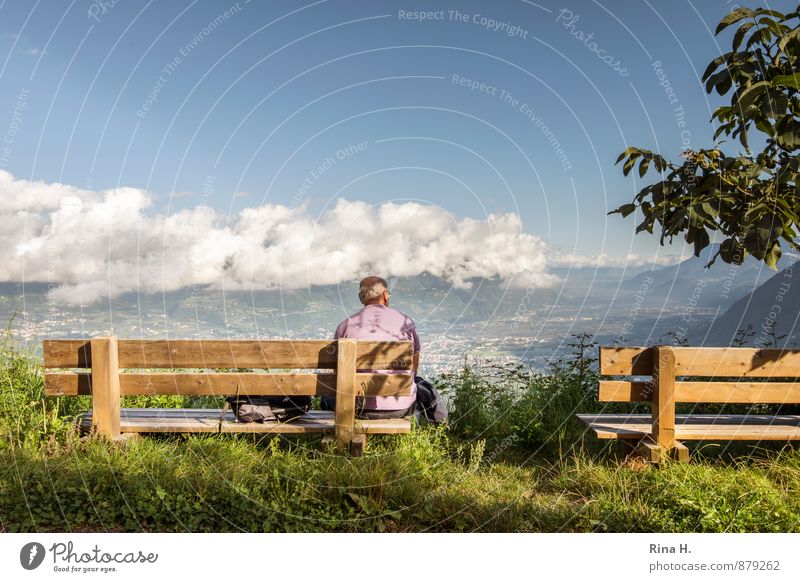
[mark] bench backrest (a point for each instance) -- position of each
(332, 369)
(725, 373)
(725, 376)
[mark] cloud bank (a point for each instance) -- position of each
(90, 245)
(618, 262)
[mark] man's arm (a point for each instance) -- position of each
(415, 362)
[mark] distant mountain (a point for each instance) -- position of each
(690, 283)
(777, 300)
(491, 316)
(432, 301)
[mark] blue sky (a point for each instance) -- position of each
(235, 105)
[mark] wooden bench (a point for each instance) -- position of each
(107, 368)
(695, 375)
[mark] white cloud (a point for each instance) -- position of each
(101, 244)
(33, 52)
(605, 260)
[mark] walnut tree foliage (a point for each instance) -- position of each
(752, 199)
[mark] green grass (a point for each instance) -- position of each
(513, 459)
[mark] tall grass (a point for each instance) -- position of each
(512, 459)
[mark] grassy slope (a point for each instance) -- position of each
(513, 460)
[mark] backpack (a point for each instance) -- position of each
(268, 408)
(429, 402)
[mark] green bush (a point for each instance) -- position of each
(534, 409)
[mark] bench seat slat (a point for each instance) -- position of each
(698, 426)
(179, 420)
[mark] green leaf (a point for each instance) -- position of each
(643, 167)
(713, 65)
(626, 209)
(750, 94)
(792, 81)
(732, 17)
(731, 252)
(709, 210)
(788, 133)
(773, 256)
(628, 151)
(628, 165)
(740, 32)
(787, 38)
(699, 237)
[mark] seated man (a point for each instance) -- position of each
(379, 322)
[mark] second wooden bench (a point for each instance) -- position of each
(665, 376)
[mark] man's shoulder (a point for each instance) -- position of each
(405, 317)
(342, 327)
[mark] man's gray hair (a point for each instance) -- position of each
(371, 288)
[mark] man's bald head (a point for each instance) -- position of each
(371, 289)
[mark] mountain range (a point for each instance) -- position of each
(685, 302)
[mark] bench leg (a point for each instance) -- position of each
(680, 453)
(126, 437)
(357, 444)
(628, 446)
(656, 454)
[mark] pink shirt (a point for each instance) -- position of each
(381, 323)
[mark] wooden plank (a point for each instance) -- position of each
(625, 391)
(105, 380)
(617, 426)
(710, 392)
(624, 361)
(384, 355)
(346, 389)
(680, 453)
(698, 426)
(186, 420)
(67, 353)
(737, 362)
(69, 384)
(227, 354)
(738, 392)
(663, 408)
(649, 450)
(358, 444)
(227, 383)
(720, 362)
(214, 353)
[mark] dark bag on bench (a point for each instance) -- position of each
(268, 408)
